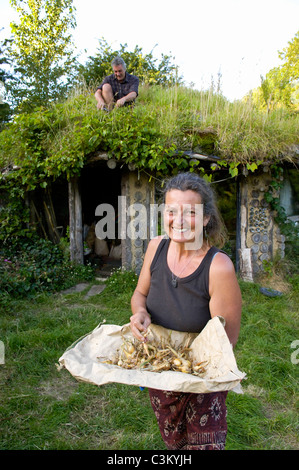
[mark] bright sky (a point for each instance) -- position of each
(238, 38)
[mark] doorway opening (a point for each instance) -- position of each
(100, 185)
(226, 190)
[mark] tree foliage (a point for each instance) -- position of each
(280, 87)
(145, 66)
(41, 52)
(290, 56)
(5, 109)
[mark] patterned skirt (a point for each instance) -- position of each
(191, 421)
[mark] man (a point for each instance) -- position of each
(119, 89)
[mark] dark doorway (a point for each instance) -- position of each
(100, 185)
(226, 189)
(60, 202)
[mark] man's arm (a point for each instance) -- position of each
(133, 92)
(129, 97)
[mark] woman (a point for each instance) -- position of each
(184, 282)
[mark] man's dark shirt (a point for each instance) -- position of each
(121, 89)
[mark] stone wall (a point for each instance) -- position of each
(260, 238)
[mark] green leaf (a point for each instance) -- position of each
(252, 166)
(233, 171)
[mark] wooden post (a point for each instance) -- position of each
(50, 216)
(76, 226)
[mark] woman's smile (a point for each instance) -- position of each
(179, 230)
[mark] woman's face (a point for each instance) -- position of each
(183, 216)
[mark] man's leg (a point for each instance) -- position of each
(107, 94)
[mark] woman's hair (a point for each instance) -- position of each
(215, 230)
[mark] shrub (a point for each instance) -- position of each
(35, 265)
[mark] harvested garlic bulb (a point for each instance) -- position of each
(176, 361)
(130, 349)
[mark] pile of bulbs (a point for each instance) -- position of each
(146, 356)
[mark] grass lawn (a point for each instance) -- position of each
(43, 408)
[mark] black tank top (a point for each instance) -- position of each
(181, 308)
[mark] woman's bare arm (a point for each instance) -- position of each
(226, 300)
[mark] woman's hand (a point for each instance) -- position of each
(139, 322)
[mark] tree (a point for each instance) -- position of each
(145, 66)
(277, 89)
(5, 110)
(280, 87)
(290, 56)
(42, 52)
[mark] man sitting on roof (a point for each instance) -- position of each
(119, 89)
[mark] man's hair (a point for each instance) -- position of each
(118, 61)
